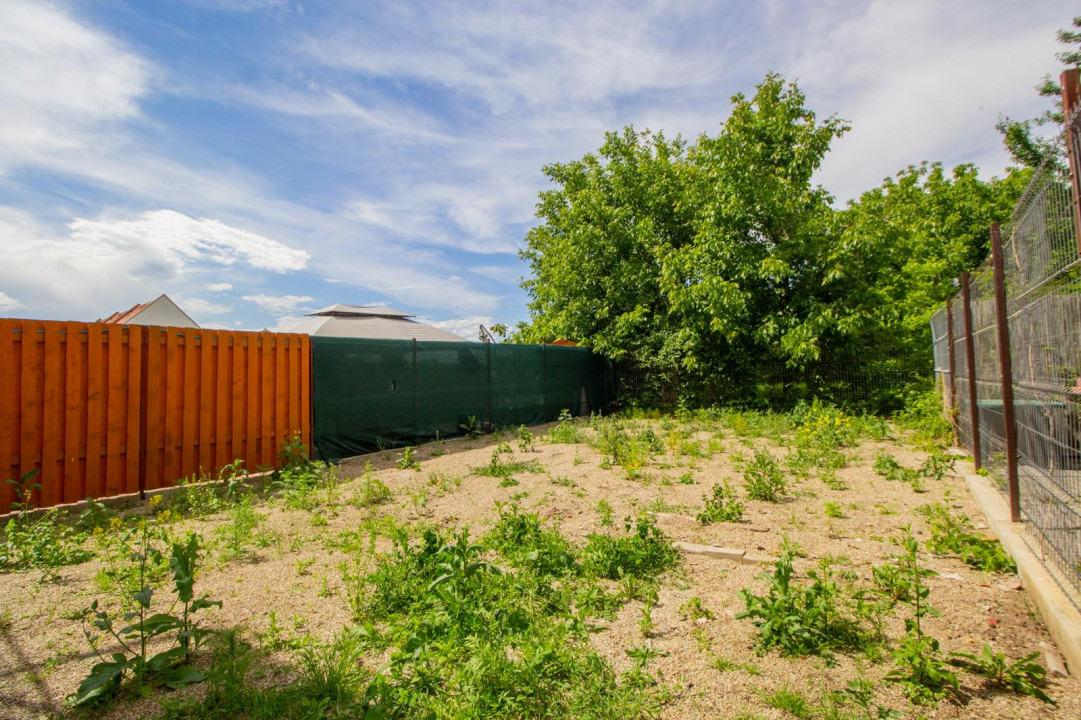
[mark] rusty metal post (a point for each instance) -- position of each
(970, 348)
(952, 365)
(1006, 367)
(1070, 80)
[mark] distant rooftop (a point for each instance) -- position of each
(382, 323)
(360, 311)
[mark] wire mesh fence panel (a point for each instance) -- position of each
(1042, 279)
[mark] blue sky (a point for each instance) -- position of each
(255, 159)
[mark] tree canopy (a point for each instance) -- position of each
(717, 256)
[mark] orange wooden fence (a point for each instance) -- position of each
(105, 409)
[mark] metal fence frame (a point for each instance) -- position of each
(1007, 351)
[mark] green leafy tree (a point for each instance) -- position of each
(1020, 136)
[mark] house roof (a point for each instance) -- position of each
(360, 310)
(359, 321)
(127, 317)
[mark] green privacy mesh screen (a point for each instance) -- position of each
(371, 394)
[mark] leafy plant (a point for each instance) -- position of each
(833, 510)
(604, 510)
(372, 491)
(525, 439)
(39, 540)
(645, 552)
(763, 478)
(496, 468)
(722, 507)
(923, 674)
(567, 431)
(799, 620)
(1024, 676)
(953, 534)
(470, 428)
(141, 627)
(408, 460)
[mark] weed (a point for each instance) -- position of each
(470, 428)
(722, 507)
(953, 534)
(604, 510)
(923, 674)
(372, 491)
(687, 478)
(140, 628)
(763, 478)
(562, 481)
(408, 460)
(40, 541)
(693, 610)
(645, 552)
(799, 620)
(567, 431)
(525, 439)
(496, 468)
(791, 701)
(833, 510)
(1024, 676)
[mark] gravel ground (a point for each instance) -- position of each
(43, 655)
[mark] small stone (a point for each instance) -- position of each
(1007, 586)
(951, 576)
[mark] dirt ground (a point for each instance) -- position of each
(297, 584)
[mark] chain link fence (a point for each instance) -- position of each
(1041, 280)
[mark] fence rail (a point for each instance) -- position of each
(103, 410)
(1013, 374)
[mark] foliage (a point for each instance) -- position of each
(1024, 676)
(643, 553)
(722, 507)
(408, 460)
(763, 478)
(522, 539)
(139, 628)
(953, 534)
(1020, 136)
(923, 674)
(470, 428)
(567, 431)
(497, 468)
(372, 491)
(799, 620)
(924, 415)
(525, 439)
(39, 540)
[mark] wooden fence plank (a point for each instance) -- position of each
(30, 399)
(190, 403)
(222, 396)
(239, 413)
(133, 392)
(208, 348)
(305, 386)
(116, 411)
(174, 407)
(266, 405)
(74, 481)
(95, 410)
(10, 383)
(52, 419)
(252, 347)
(157, 450)
(281, 382)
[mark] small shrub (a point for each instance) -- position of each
(763, 478)
(953, 534)
(1024, 676)
(644, 553)
(408, 460)
(722, 507)
(525, 439)
(567, 431)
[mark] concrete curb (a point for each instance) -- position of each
(722, 553)
(1062, 618)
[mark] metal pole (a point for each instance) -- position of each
(1006, 367)
(1070, 80)
(970, 347)
(952, 365)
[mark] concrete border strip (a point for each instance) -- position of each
(1059, 614)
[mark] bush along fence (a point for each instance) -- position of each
(102, 410)
(1008, 352)
(373, 394)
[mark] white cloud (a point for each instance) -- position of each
(179, 239)
(467, 328)
(218, 287)
(199, 306)
(8, 303)
(99, 265)
(64, 83)
(279, 304)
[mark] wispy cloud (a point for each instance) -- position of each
(279, 305)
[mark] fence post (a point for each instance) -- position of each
(1070, 80)
(1006, 367)
(970, 352)
(952, 365)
